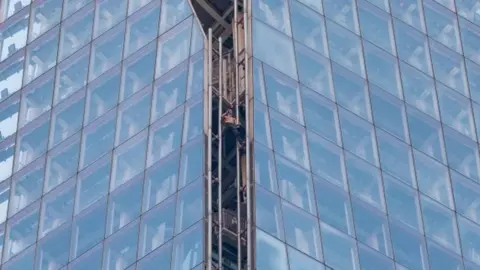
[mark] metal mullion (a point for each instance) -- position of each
(209, 153)
(220, 142)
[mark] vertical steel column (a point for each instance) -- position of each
(247, 132)
(209, 153)
(220, 154)
(237, 111)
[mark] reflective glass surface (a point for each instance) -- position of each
(99, 127)
(366, 128)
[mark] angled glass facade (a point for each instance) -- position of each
(366, 129)
(101, 135)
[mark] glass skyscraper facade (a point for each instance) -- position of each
(364, 147)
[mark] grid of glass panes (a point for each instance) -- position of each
(367, 121)
(101, 135)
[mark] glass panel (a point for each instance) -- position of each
(159, 259)
(173, 46)
(157, 227)
(343, 12)
(102, 95)
(265, 171)
(27, 186)
(419, 90)
(89, 260)
(161, 181)
(382, 69)
(314, 71)
(165, 136)
(173, 12)
(365, 181)
(470, 239)
(412, 46)
(456, 111)
(339, 250)
(93, 183)
(442, 25)
(274, 13)
(467, 196)
(426, 134)
(396, 158)
(268, 213)
(9, 113)
(108, 13)
(45, 15)
(52, 251)
(433, 180)
(370, 259)
(193, 121)
(4, 200)
(7, 149)
(106, 51)
(442, 259)
(351, 91)
(473, 73)
(440, 224)
(57, 209)
(389, 113)
(133, 115)
(67, 118)
(410, 12)
(409, 247)
(462, 154)
(302, 231)
(449, 67)
(41, 55)
(299, 261)
(169, 92)
(321, 115)
(36, 98)
(71, 6)
(283, 94)
(270, 252)
(98, 139)
(289, 139)
(142, 27)
(21, 231)
(376, 26)
(345, 47)
(191, 164)
(188, 248)
(124, 205)
(470, 34)
(62, 162)
(88, 229)
(261, 124)
(327, 160)
(195, 74)
(32, 141)
(372, 227)
(268, 44)
(308, 26)
(71, 75)
(358, 136)
(14, 34)
(11, 74)
(129, 160)
(23, 261)
(76, 31)
(120, 249)
(403, 204)
(137, 71)
(188, 212)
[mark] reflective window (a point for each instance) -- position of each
(188, 248)
(9, 112)
(11, 74)
(173, 46)
(187, 212)
(76, 31)
(14, 34)
(142, 26)
(120, 249)
(62, 162)
(44, 15)
(52, 250)
(36, 98)
(376, 26)
(470, 36)
(270, 252)
(343, 12)
(102, 95)
(32, 141)
(345, 47)
(442, 25)
(173, 12)
(71, 75)
(339, 249)
(133, 115)
(467, 195)
(274, 13)
(410, 12)
(108, 13)
(106, 51)
(462, 154)
(41, 55)
(27, 186)
(10, 7)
